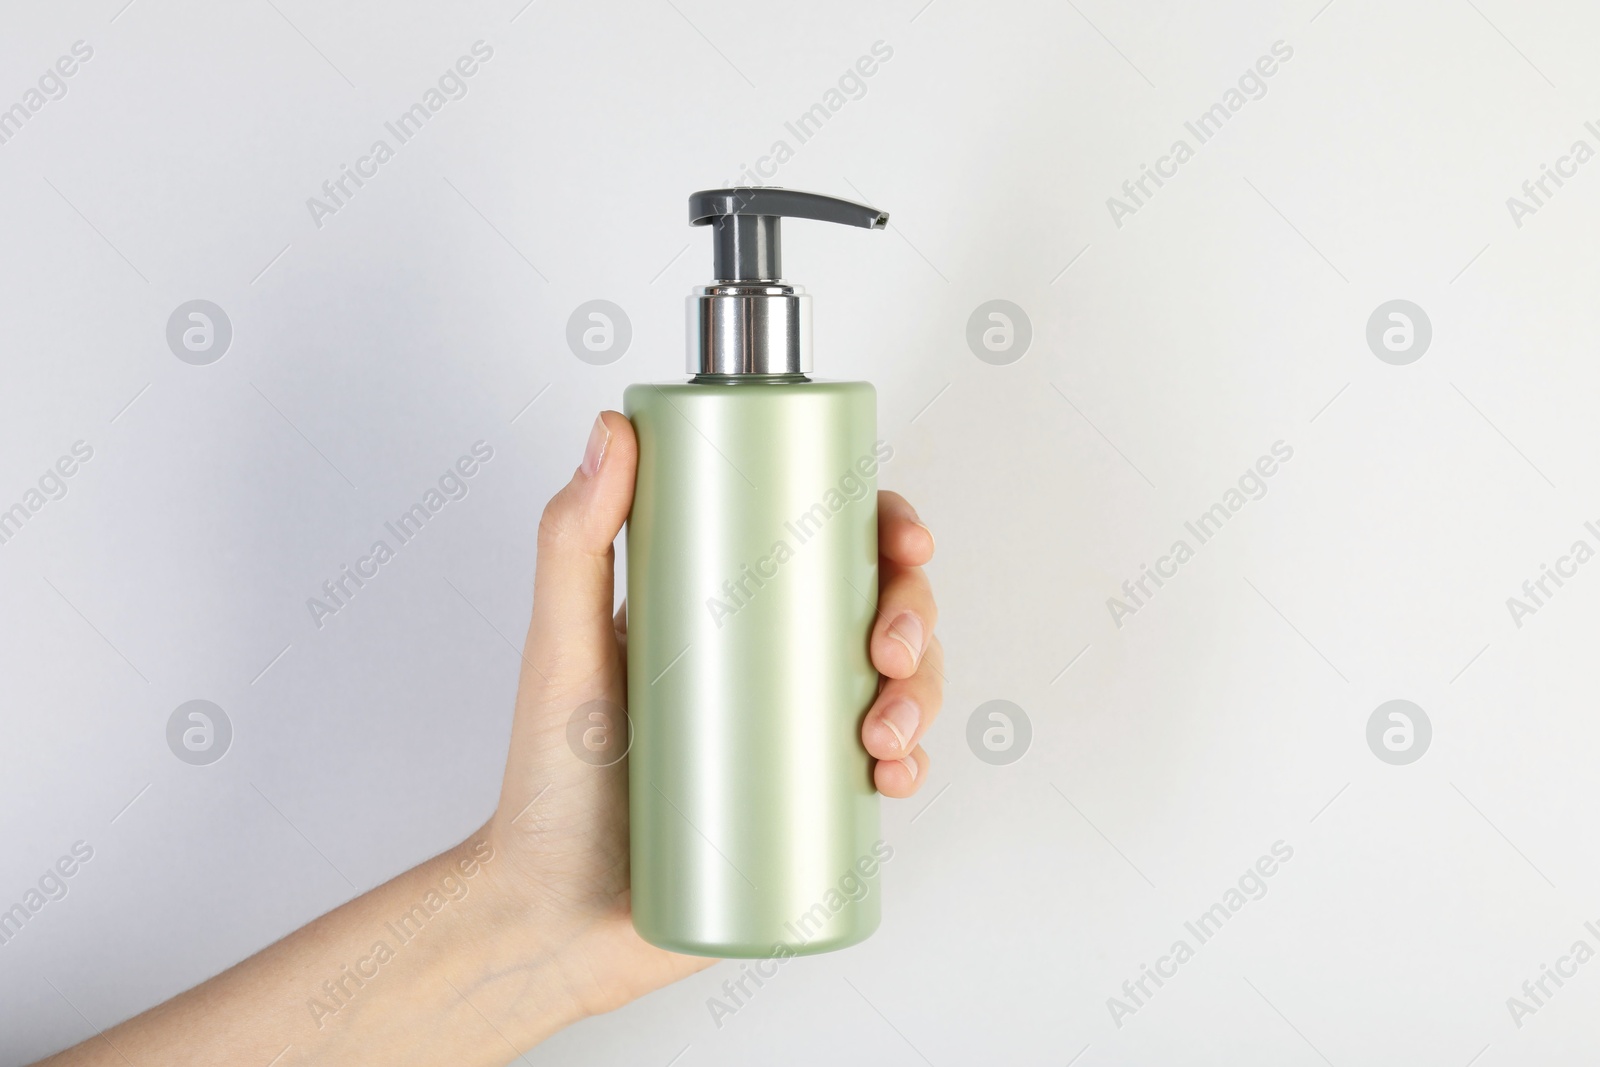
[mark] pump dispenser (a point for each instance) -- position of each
(750, 321)
(752, 589)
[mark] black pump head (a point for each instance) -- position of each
(746, 222)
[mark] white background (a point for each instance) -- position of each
(1228, 313)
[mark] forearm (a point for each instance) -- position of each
(429, 968)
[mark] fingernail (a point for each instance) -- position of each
(595, 451)
(930, 535)
(902, 718)
(911, 765)
(907, 629)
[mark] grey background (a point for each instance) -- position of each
(1167, 355)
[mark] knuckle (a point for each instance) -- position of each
(554, 523)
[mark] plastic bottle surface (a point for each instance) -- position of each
(752, 589)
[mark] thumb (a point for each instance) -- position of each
(571, 638)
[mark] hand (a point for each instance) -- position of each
(562, 824)
(524, 928)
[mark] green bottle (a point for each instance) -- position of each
(752, 590)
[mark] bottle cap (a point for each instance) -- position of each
(750, 321)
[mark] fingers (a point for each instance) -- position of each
(902, 537)
(906, 617)
(904, 651)
(572, 634)
(901, 778)
(905, 708)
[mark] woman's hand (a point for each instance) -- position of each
(486, 950)
(562, 823)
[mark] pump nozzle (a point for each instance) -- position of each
(746, 221)
(749, 321)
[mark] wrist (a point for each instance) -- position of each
(508, 955)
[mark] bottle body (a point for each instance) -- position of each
(752, 589)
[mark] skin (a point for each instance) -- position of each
(524, 928)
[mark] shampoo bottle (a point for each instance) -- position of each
(752, 588)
